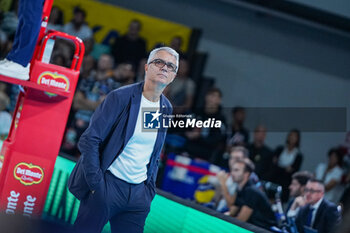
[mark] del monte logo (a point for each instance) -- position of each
(28, 174)
(54, 80)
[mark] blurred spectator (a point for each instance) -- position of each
(59, 59)
(130, 47)
(124, 74)
(237, 134)
(78, 26)
(287, 160)
(251, 204)
(5, 5)
(228, 187)
(207, 143)
(331, 174)
(318, 213)
(345, 146)
(87, 67)
(5, 117)
(345, 199)
(90, 93)
(260, 154)
(56, 19)
(181, 91)
(140, 76)
(6, 46)
(344, 149)
(10, 19)
(89, 46)
(176, 44)
(296, 188)
(63, 48)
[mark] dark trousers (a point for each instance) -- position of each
(27, 32)
(125, 205)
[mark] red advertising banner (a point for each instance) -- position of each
(25, 185)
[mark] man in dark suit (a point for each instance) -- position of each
(115, 176)
(318, 213)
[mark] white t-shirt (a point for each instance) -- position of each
(336, 174)
(83, 33)
(287, 157)
(131, 164)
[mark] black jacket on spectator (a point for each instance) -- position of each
(211, 142)
(126, 50)
(345, 200)
(262, 159)
(280, 176)
(255, 199)
(326, 219)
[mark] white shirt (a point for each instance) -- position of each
(293, 213)
(287, 157)
(83, 33)
(315, 207)
(335, 174)
(131, 164)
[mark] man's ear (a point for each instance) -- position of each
(146, 67)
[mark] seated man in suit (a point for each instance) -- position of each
(318, 213)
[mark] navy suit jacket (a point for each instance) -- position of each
(326, 219)
(121, 106)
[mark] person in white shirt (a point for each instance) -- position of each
(331, 174)
(78, 27)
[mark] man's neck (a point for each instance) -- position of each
(258, 144)
(211, 109)
(237, 126)
(242, 184)
(319, 201)
(152, 92)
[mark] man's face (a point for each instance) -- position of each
(239, 116)
(159, 75)
(260, 134)
(212, 100)
(313, 192)
(236, 155)
(295, 188)
(104, 63)
(237, 172)
(79, 18)
(134, 29)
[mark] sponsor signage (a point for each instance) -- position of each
(55, 80)
(28, 174)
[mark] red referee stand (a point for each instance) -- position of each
(29, 153)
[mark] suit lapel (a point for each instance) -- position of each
(134, 110)
(318, 214)
(161, 133)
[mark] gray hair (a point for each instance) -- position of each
(167, 49)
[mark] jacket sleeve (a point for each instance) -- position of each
(89, 144)
(333, 219)
(297, 163)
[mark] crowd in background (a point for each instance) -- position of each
(248, 165)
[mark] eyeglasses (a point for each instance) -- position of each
(161, 63)
(312, 191)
